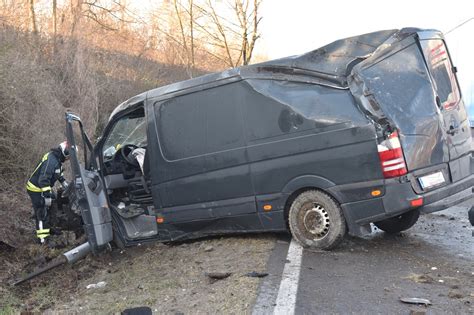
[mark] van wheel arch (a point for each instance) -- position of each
(317, 206)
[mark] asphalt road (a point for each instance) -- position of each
(433, 260)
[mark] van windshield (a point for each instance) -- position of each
(126, 131)
(441, 71)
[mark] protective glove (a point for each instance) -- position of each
(48, 201)
(65, 185)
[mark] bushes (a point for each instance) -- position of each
(27, 101)
(37, 86)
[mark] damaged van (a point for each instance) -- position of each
(368, 129)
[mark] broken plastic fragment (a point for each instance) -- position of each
(415, 301)
(255, 274)
(218, 275)
(97, 285)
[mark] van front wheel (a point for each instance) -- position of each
(316, 220)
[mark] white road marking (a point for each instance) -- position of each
(286, 299)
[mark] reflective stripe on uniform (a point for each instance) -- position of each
(30, 186)
(45, 157)
(43, 233)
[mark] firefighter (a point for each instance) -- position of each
(39, 187)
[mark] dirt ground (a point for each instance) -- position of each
(431, 260)
(167, 278)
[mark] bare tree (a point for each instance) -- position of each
(55, 25)
(107, 14)
(235, 32)
(249, 28)
(76, 14)
(191, 30)
(185, 12)
(222, 34)
(224, 31)
(34, 26)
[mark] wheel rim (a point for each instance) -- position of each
(315, 220)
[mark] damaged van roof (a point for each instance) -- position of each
(329, 65)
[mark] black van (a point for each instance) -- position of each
(368, 129)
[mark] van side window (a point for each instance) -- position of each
(200, 123)
(279, 109)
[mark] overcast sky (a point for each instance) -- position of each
(297, 26)
(291, 27)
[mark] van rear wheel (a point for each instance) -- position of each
(400, 223)
(316, 220)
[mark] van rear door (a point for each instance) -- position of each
(448, 96)
(412, 86)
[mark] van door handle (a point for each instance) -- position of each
(452, 131)
(438, 102)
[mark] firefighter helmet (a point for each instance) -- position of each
(64, 147)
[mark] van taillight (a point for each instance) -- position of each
(391, 156)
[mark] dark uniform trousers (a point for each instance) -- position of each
(41, 215)
(39, 187)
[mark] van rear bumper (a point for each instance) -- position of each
(396, 200)
(448, 201)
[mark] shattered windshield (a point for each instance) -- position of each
(126, 131)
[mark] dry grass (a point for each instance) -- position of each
(37, 87)
(169, 279)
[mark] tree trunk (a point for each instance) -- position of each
(191, 26)
(33, 16)
(76, 12)
(55, 25)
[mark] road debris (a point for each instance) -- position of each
(420, 278)
(455, 294)
(217, 275)
(97, 285)
(255, 274)
(208, 249)
(416, 301)
(142, 310)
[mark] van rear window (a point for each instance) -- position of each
(441, 71)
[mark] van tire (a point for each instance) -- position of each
(316, 220)
(399, 223)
